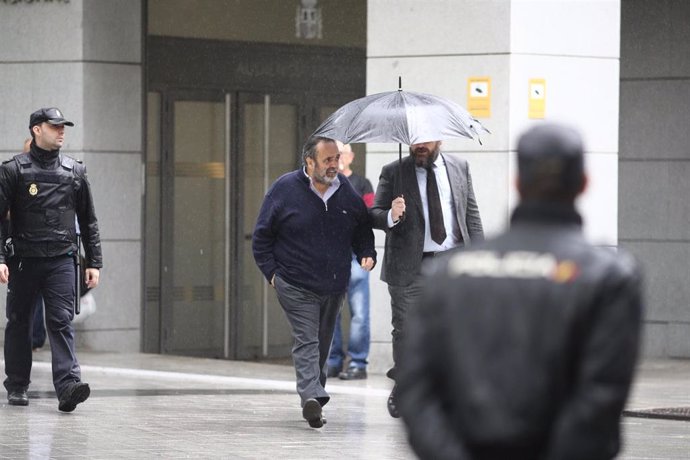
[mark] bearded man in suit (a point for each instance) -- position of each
(426, 206)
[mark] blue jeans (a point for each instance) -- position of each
(358, 344)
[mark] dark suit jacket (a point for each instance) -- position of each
(402, 259)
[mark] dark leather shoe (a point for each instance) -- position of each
(333, 372)
(393, 403)
(353, 373)
(74, 394)
(18, 398)
(312, 413)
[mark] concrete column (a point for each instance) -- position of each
(437, 45)
(655, 164)
(84, 56)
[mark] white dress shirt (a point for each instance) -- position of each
(449, 221)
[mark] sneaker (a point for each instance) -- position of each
(74, 394)
(353, 373)
(18, 398)
(312, 413)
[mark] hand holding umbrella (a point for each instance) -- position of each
(398, 208)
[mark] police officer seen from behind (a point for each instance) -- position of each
(44, 190)
(524, 347)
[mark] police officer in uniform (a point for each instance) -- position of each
(44, 191)
(524, 347)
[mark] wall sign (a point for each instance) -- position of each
(479, 96)
(537, 98)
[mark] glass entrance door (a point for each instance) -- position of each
(268, 127)
(194, 231)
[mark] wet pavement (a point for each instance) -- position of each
(154, 406)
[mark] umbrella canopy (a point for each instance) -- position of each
(399, 116)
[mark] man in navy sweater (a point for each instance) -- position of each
(310, 223)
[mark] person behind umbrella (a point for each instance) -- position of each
(525, 346)
(357, 295)
(426, 206)
(310, 223)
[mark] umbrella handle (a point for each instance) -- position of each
(400, 193)
(402, 216)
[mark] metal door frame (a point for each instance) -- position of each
(267, 98)
(167, 180)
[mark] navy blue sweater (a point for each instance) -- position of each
(307, 242)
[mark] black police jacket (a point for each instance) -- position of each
(44, 192)
(523, 347)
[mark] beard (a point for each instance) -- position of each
(325, 178)
(424, 157)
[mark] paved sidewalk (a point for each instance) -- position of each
(154, 406)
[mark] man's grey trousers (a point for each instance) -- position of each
(312, 318)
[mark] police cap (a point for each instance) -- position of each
(51, 115)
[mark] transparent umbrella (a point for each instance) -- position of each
(400, 116)
(404, 117)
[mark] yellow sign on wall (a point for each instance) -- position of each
(537, 98)
(479, 96)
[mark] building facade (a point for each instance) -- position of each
(186, 110)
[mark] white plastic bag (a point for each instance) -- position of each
(88, 308)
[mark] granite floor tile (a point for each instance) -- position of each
(154, 406)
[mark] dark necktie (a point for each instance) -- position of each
(438, 230)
